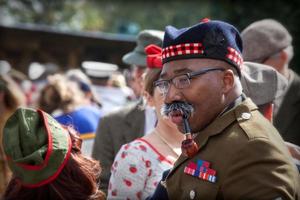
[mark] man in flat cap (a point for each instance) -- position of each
(269, 42)
(131, 122)
(239, 154)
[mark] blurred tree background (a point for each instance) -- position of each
(131, 16)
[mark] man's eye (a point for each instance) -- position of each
(161, 84)
(165, 83)
(182, 80)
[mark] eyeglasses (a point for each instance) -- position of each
(181, 81)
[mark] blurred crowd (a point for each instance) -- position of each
(69, 96)
(116, 113)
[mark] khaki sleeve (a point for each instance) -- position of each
(261, 170)
(103, 151)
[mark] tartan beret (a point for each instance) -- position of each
(263, 39)
(144, 38)
(36, 146)
(208, 39)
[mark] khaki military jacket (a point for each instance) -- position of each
(247, 155)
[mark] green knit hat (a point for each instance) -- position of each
(37, 147)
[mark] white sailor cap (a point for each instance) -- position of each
(99, 69)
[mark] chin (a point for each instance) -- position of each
(198, 120)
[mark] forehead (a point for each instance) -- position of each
(188, 65)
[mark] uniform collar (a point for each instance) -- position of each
(233, 104)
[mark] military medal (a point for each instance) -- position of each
(201, 170)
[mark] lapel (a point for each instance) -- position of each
(289, 107)
(217, 127)
(135, 122)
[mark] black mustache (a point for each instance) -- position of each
(185, 108)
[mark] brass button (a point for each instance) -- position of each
(192, 194)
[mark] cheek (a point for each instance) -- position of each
(158, 100)
(203, 92)
(140, 82)
(137, 83)
(171, 124)
(206, 98)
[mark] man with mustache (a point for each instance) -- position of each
(240, 154)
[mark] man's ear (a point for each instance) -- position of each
(284, 56)
(278, 61)
(228, 80)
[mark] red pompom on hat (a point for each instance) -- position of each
(204, 20)
(154, 56)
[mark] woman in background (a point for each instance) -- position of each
(68, 104)
(138, 166)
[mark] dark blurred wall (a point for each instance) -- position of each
(131, 16)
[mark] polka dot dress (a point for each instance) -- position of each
(136, 171)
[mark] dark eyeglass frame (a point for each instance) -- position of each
(162, 83)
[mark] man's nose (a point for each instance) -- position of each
(173, 94)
